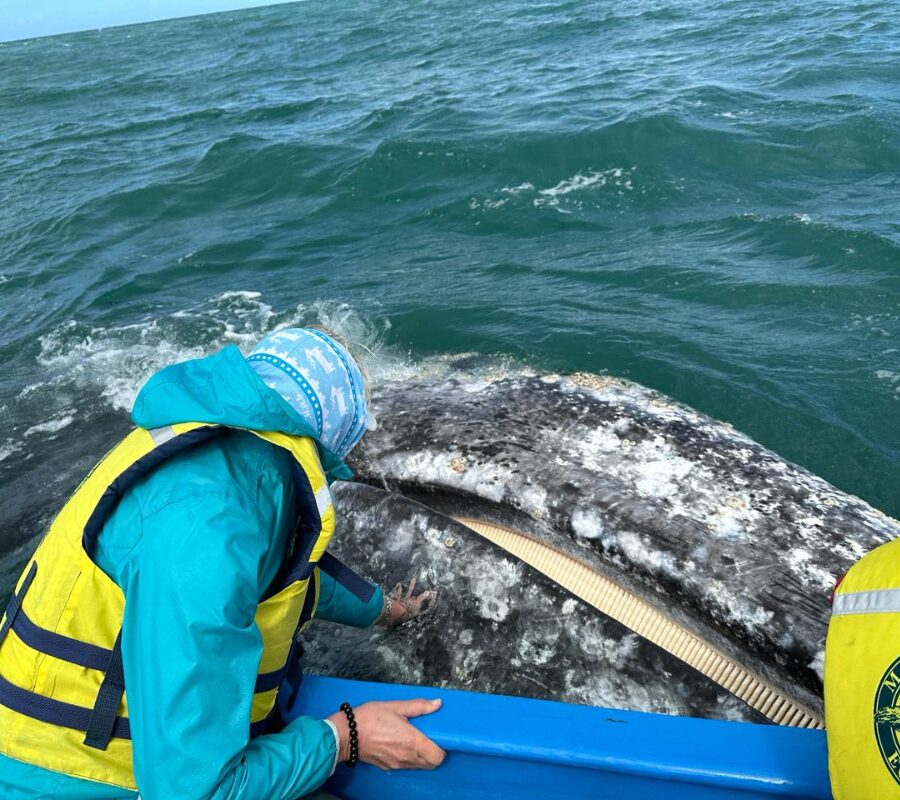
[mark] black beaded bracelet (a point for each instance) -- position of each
(354, 736)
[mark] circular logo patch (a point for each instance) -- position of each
(887, 719)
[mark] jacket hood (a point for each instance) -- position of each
(223, 389)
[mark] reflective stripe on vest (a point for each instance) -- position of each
(874, 601)
(63, 704)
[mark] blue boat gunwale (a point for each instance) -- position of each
(768, 759)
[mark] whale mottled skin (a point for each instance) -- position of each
(498, 626)
(738, 545)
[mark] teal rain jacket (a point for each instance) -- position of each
(194, 546)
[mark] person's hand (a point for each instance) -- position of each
(401, 605)
(386, 739)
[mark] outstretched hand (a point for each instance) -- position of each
(401, 605)
(386, 739)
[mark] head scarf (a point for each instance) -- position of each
(320, 380)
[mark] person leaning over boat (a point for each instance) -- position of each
(181, 569)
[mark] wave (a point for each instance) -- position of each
(112, 363)
(673, 164)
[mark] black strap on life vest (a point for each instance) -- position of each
(90, 655)
(54, 712)
(15, 602)
(345, 576)
(109, 698)
(299, 565)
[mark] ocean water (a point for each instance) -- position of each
(701, 197)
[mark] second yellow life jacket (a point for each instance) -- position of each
(63, 703)
(862, 679)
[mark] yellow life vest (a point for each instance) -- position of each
(862, 679)
(62, 691)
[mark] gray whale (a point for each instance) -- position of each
(725, 536)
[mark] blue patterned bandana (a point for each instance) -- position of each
(320, 380)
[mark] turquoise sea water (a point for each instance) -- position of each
(702, 197)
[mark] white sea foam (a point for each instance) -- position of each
(557, 196)
(8, 449)
(475, 203)
(111, 363)
(522, 187)
(579, 182)
(891, 377)
(51, 426)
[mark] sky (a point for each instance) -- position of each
(26, 19)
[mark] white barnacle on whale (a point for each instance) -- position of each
(733, 518)
(538, 645)
(660, 477)
(492, 589)
(599, 440)
(817, 664)
(587, 522)
(802, 563)
(633, 548)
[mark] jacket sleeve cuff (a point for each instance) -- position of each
(374, 607)
(337, 744)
